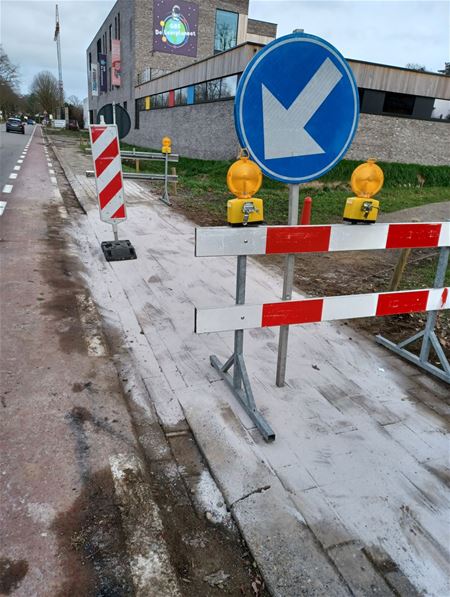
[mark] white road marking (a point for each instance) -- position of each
(7, 188)
(53, 179)
(51, 171)
(13, 175)
(2, 207)
(16, 168)
(20, 161)
(49, 164)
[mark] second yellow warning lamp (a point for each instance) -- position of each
(366, 181)
(166, 145)
(244, 178)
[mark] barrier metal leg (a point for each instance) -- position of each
(239, 382)
(428, 334)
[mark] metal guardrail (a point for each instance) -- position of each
(141, 175)
(144, 155)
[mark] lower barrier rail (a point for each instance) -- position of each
(263, 240)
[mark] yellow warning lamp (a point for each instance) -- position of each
(244, 178)
(366, 181)
(166, 145)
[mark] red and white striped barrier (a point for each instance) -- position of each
(108, 172)
(267, 240)
(242, 317)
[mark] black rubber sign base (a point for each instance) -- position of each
(118, 250)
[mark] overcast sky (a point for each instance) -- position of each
(387, 31)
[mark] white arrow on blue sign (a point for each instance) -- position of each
(297, 108)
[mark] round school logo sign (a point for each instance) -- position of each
(176, 29)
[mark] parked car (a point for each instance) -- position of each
(15, 125)
(31, 121)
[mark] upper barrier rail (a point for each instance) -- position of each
(270, 240)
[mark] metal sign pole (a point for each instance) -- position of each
(114, 112)
(165, 196)
(287, 287)
(115, 231)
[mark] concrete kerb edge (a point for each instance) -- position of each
(68, 173)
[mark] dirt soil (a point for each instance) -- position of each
(332, 274)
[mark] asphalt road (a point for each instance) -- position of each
(11, 146)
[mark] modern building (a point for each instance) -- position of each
(142, 40)
(405, 114)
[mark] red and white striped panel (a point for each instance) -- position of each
(267, 240)
(108, 172)
(242, 317)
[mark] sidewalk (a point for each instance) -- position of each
(351, 498)
(95, 498)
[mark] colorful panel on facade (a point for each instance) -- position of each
(175, 27)
(94, 79)
(103, 73)
(115, 63)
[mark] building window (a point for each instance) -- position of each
(199, 93)
(398, 103)
(110, 37)
(441, 110)
(125, 105)
(228, 87)
(115, 27)
(225, 36)
(139, 105)
(99, 47)
(213, 90)
(90, 63)
(181, 96)
(118, 26)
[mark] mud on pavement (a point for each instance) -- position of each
(206, 552)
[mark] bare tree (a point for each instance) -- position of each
(224, 37)
(45, 88)
(10, 101)
(8, 71)
(75, 109)
(416, 66)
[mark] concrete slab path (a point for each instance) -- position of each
(352, 497)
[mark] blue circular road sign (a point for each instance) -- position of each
(297, 108)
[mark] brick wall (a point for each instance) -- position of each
(405, 140)
(207, 131)
(203, 131)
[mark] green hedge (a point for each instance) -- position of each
(395, 174)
